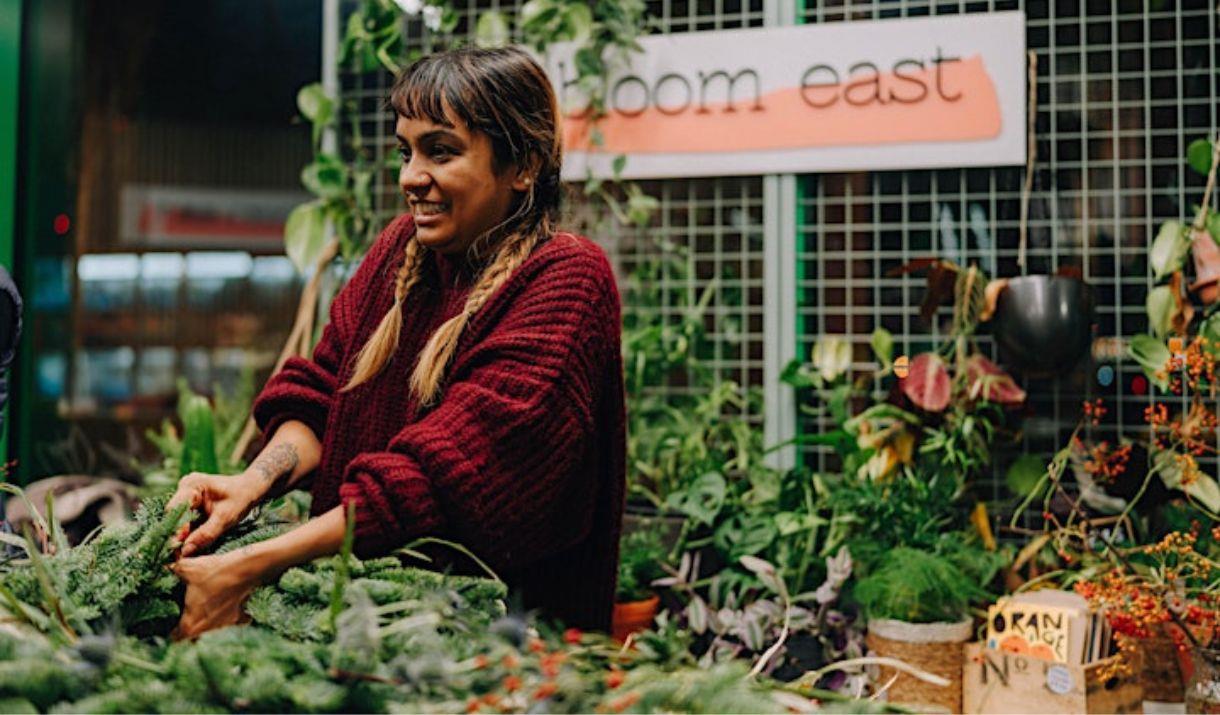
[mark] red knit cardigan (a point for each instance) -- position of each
(522, 460)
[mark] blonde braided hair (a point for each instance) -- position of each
(381, 345)
(438, 352)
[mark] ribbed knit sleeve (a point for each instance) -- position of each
(501, 464)
(304, 389)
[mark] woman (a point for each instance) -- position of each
(469, 383)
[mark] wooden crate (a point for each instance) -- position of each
(997, 682)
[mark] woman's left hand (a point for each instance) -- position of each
(217, 587)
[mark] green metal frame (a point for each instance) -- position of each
(10, 70)
(47, 110)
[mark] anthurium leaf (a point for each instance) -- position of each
(927, 384)
(988, 381)
(1199, 155)
(1151, 354)
(1168, 252)
(1160, 305)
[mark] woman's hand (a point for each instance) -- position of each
(217, 587)
(225, 500)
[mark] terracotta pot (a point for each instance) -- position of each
(633, 617)
(1207, 267)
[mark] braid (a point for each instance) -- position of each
(381, 345)
(435, 357)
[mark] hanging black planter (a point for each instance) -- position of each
(1044, 324)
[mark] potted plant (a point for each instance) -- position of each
(641, 555)
(918, 607)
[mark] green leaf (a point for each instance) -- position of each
(620, 163)
(305, 234)
(640, 206)
(1151, 354)
(883, 346)
(533, 11)
(578, 22)
(314, 104)
(1213, 224)
(492, 30)
(1025, 475)
(1203, 488)
(766, 574)
(831, 357)
(1199, 156)
(1160, 306)
(325, 177)
(702, 500)
(1209, 330)
(745, 535)
(1168, 252)
(792, 522)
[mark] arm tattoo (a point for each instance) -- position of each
(274, 463)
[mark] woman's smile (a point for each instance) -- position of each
(428, 213)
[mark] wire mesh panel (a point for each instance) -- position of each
(1123, 87)
(710, 229)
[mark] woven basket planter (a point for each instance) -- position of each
(1161, 674)
(937, 648)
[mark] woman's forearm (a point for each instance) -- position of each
(318, 537)
(293, 452)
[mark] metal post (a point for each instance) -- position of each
(779, 288)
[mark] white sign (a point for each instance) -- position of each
(886, 94)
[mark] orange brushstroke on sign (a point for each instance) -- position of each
(787, 121)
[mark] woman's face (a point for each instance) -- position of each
(449, 183)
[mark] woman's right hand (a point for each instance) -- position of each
(224, 499)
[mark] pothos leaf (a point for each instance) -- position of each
(1160, 306)
(1168, 252)
(1151, 354)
